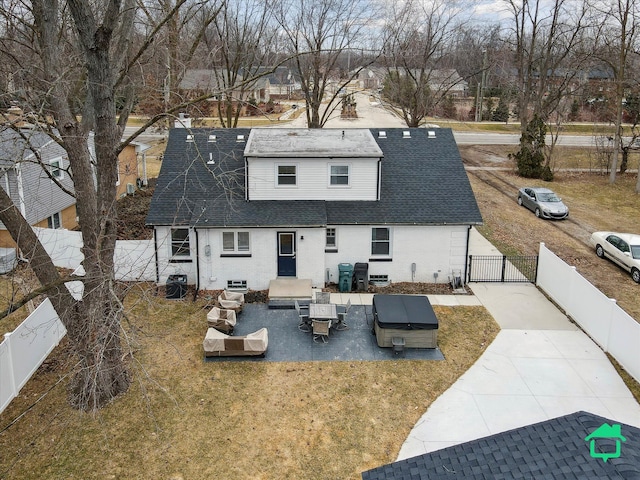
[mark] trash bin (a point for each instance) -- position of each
(345, 271)
(176, 286)
(361, 276)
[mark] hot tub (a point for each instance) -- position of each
(410, 317)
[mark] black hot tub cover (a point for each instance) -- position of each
(404, 312)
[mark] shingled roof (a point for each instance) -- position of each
(201, 183)
(551, 450)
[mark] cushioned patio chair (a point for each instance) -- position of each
(320, 330)
(231, 300)
(218, 344)
(222, 320)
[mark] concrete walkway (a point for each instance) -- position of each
(540, 366)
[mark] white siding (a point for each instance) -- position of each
(313, 179)
(165, 266)
(262, 266)
(438, 249)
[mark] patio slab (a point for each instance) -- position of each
(288, 344)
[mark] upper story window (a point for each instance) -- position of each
(235, 242)
(338, 175)
(56, 168)
(380, 241)
(180, 242)
(287, 175)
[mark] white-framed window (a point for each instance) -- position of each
(287, 175)
(180, 242)
(339, 175)
(331, 239)
(56, 167)
(54, 221)
(235, 242)
(380, 241)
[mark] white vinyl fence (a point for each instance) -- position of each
(599, 316)
(134, 259)
(24, 349)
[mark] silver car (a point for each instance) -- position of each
(543, 202)
(622, 248)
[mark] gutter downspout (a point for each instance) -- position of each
(155, 250)
(466, 256)
(195, 295)
(246, 178)
(379, 185)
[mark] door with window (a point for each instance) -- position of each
(286, 254)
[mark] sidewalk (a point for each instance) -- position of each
(540, 366)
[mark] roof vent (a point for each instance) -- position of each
(189, 138)
(382, 134)
(240, 138)
(212, 139)
(431, 134)
(406, 134)
(211, 161)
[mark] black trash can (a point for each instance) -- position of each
(345, 271)
(176, 286)
(361, 276)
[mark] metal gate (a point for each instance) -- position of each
(503, 268)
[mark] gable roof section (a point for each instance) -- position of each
(553, 450)
(423, 183)
(13, 148)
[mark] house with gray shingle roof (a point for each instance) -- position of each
(33, 169)
(246, 206)
(552, 450)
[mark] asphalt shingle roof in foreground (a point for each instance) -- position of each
(423, 182)
(552, 450)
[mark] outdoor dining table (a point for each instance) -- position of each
(323, 311)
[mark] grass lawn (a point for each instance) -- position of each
(184, 418)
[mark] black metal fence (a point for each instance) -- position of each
(503, 268)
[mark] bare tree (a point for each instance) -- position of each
(618, 43)
(238, 42)
(75, 73)
(419, 40)
(316, 34)
(547, 43)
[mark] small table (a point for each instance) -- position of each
(323, 311)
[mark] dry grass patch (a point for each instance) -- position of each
(243, 420)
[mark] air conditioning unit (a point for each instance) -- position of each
(131, 189)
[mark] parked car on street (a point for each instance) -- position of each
(543, 202)
(622, 248)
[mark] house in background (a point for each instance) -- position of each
(40, 200)
(241, 207)
(128, 168)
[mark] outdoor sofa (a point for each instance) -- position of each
(218, 344)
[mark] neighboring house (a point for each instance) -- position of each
(444, 81)
(240, 207)
(128, 168)
(212, 81)
(549, 450)
(40, 200)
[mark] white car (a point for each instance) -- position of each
(622, 248)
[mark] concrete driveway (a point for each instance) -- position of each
(540, 366)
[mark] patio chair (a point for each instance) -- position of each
(222, 320)
(231, 300)
(323, 297)
(342, 315)
(320, 330)
(303, 314)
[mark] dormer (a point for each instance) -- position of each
(312, 164)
